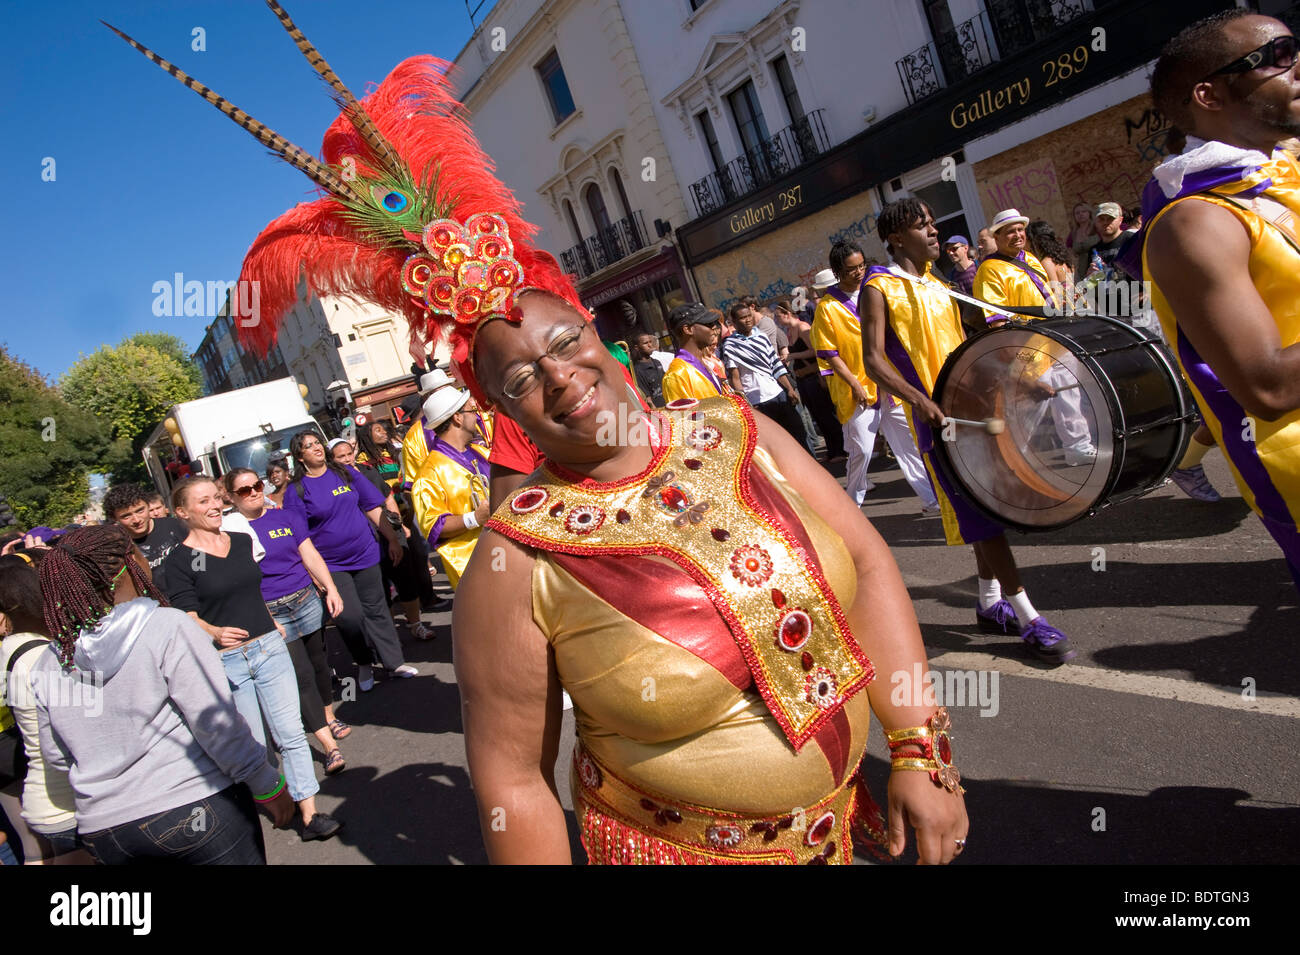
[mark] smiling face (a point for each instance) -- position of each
(564, 412)
(1010, 238)
(202, 507)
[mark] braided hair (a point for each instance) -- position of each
(78, 577)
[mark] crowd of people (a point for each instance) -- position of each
(168, 669)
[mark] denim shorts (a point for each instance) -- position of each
(301, 614)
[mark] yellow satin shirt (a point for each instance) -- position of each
(683, 380)
(1001, 283)
(837, 331)
(445, 487)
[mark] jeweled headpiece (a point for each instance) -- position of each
(414, 219)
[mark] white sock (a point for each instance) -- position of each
(1025, 611)
(990, 592)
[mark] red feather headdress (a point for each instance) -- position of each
(414, 220)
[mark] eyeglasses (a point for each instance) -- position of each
(248, 489)
(563, 347)
(1279, 51)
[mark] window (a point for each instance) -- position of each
(557, 87)
(616, 181)
(785, 82)
(751, 127)
(710, 139)
(596, 206)
(696, 4)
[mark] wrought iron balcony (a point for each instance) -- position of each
(1004, 29)
(609, 245)
(792, 147)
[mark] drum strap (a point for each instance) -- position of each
(950, 292)
(1272, 212)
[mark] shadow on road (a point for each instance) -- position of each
(1021, 823)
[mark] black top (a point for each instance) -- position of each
(167, 533)
(223, 591)
(650, 378)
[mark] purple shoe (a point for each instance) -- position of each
(999, 618)
(1047, 642)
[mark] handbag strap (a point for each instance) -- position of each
(13, 659)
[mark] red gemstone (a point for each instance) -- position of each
(674, 498)
(623, 516)
(806, 660)
(778, 598)
(822, 828)
(795, 629)
(694, 463)
(556, 508)
(944, 748)
(720, 534)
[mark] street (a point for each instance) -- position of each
(1171, 738)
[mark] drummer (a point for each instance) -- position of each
(1225, 268)
(1013, 276)
(909, 327)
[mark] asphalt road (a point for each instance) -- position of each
(1171, 738)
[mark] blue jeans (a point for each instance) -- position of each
(222, 829)
(300, 613)
(260, 671)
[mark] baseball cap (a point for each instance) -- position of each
(1111, 209)
(956, 240)
(692, 313)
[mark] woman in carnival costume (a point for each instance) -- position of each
(715, 606)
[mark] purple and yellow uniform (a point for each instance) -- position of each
(836, 331)
(1264, 455)
(687, 377)
(923, 329)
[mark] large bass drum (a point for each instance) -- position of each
(1051, 392)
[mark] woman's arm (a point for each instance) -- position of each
(510, 706)
(376, 515)
(885, 626)
(320, 573)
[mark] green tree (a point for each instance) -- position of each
(48, 448)
(128, 388)
(169, 344)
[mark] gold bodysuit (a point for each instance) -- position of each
(696, 615)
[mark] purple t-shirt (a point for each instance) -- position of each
(282, 533)
(336, 518)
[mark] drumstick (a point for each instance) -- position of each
(991, 425)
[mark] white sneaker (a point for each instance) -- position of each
(422, 631)
(365, 679)
(406, 671)
(1074, 457)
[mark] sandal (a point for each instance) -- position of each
(339, 730)
(334, 763)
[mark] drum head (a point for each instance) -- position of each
(1047, 405)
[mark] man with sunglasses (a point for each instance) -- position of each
(1221, 251)
(689, 376)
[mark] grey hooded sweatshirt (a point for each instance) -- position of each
(144, 720)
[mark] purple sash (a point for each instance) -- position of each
(842, 297)
(699, 366)
(1034, 277)
(469, 459)
(1154, 199)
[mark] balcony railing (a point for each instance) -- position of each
(1004, 29)
(609, 245)
(792, 147)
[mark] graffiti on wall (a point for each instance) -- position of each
(1032, 188)
(783, 270)
(1148, 134)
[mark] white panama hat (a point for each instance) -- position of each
(442, 404)
(1007, 217)
(433, 380)
(824, 279)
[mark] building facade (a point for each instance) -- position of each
(226, 365)
(790, 125)
(557, 96)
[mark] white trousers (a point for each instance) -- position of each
(1067, 412)
(860, 438)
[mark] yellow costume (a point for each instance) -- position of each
(999, 282)
(415, 446)
(685, 379)
(924, 328)
(446, 486)
(1264, 455)
(837, 331)
(696, 615)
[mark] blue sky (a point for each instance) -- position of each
(148, 179)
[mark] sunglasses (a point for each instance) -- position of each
(248, 489)
(1279, 51)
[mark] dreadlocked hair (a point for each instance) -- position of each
(77, 580)
(899, 215)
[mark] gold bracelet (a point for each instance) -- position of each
(924, 765)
